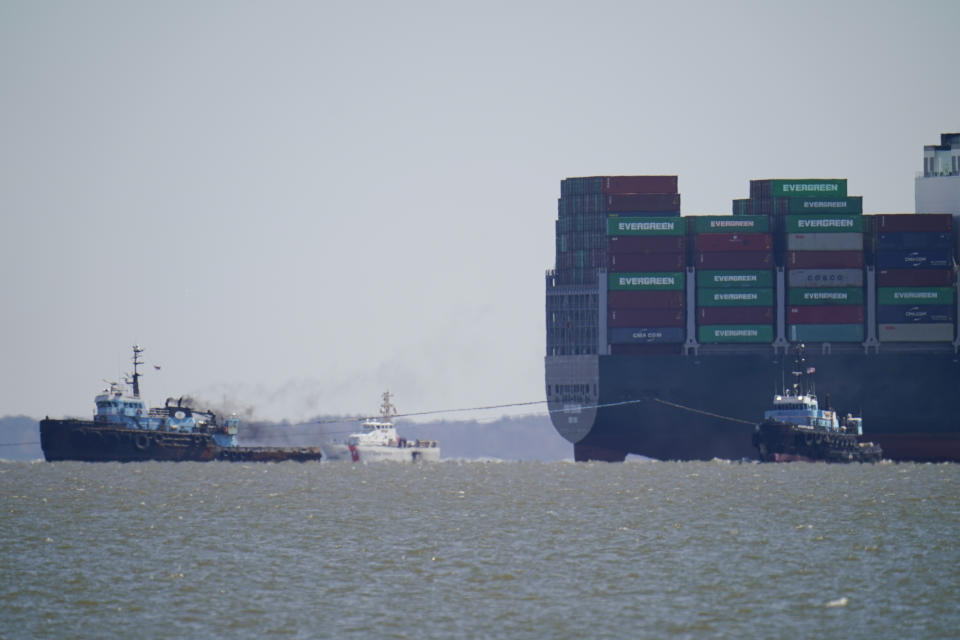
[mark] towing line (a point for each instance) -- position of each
(700, 411)
(427, 413)
(572, 409)
(400, 415)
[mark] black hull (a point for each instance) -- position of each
(87, 441)
(680, 407)
(779, 442)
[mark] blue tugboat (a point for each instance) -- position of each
(123, 429)
(797, 429)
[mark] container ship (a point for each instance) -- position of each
(661, 328)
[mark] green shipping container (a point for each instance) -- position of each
(826, 296)
(735, 297)
(716, 333)
(809, 188)
(646, 226)
(914, 295)
(709, 279)
(651, 281)
(825, 332)
(731, 224)
(840, 223)
(799, 206)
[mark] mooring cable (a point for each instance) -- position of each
(567, 409)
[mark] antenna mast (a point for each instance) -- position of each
(799, 364)
(387, 410)
(137, 352)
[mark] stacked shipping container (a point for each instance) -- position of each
(582, 251)
(645, 297)
(583, 208)
(799, 196)
(915, 278)
(646, 249)
(818, 239)
(824, 273)
(734, 262)
(631, 227)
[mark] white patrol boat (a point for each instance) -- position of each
(378, 441)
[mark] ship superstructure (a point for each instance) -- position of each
(660, 325)
(937, 187)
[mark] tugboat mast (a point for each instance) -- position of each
(800, 371)
(137, 352)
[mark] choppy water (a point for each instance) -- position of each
(479, 549)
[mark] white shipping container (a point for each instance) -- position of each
(915, 332)
(825, 241)
(825, 277)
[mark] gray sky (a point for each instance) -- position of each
(295, 205)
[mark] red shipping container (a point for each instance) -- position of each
(645, 299)
(827, 314)
(915, 222)
(915, 278)
(646, 261)
(734, 260)
(639, 184)
(735, 315)
(641, 244)
(645, 317)
(734, 242)
(824, 259)
(649, 202)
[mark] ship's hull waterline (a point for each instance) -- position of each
(87, 441)
(360, 453)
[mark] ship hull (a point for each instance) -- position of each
(359, 453)
(782, 442)
(677, 407)
(88, 441)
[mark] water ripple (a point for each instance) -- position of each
(461, 549)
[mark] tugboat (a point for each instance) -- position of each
(378, 441)
(797, 429)
(123, 429)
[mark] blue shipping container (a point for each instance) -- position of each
(645, 335)
(928, 259)
(581, 186)
(924, 313)
(914, 241)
